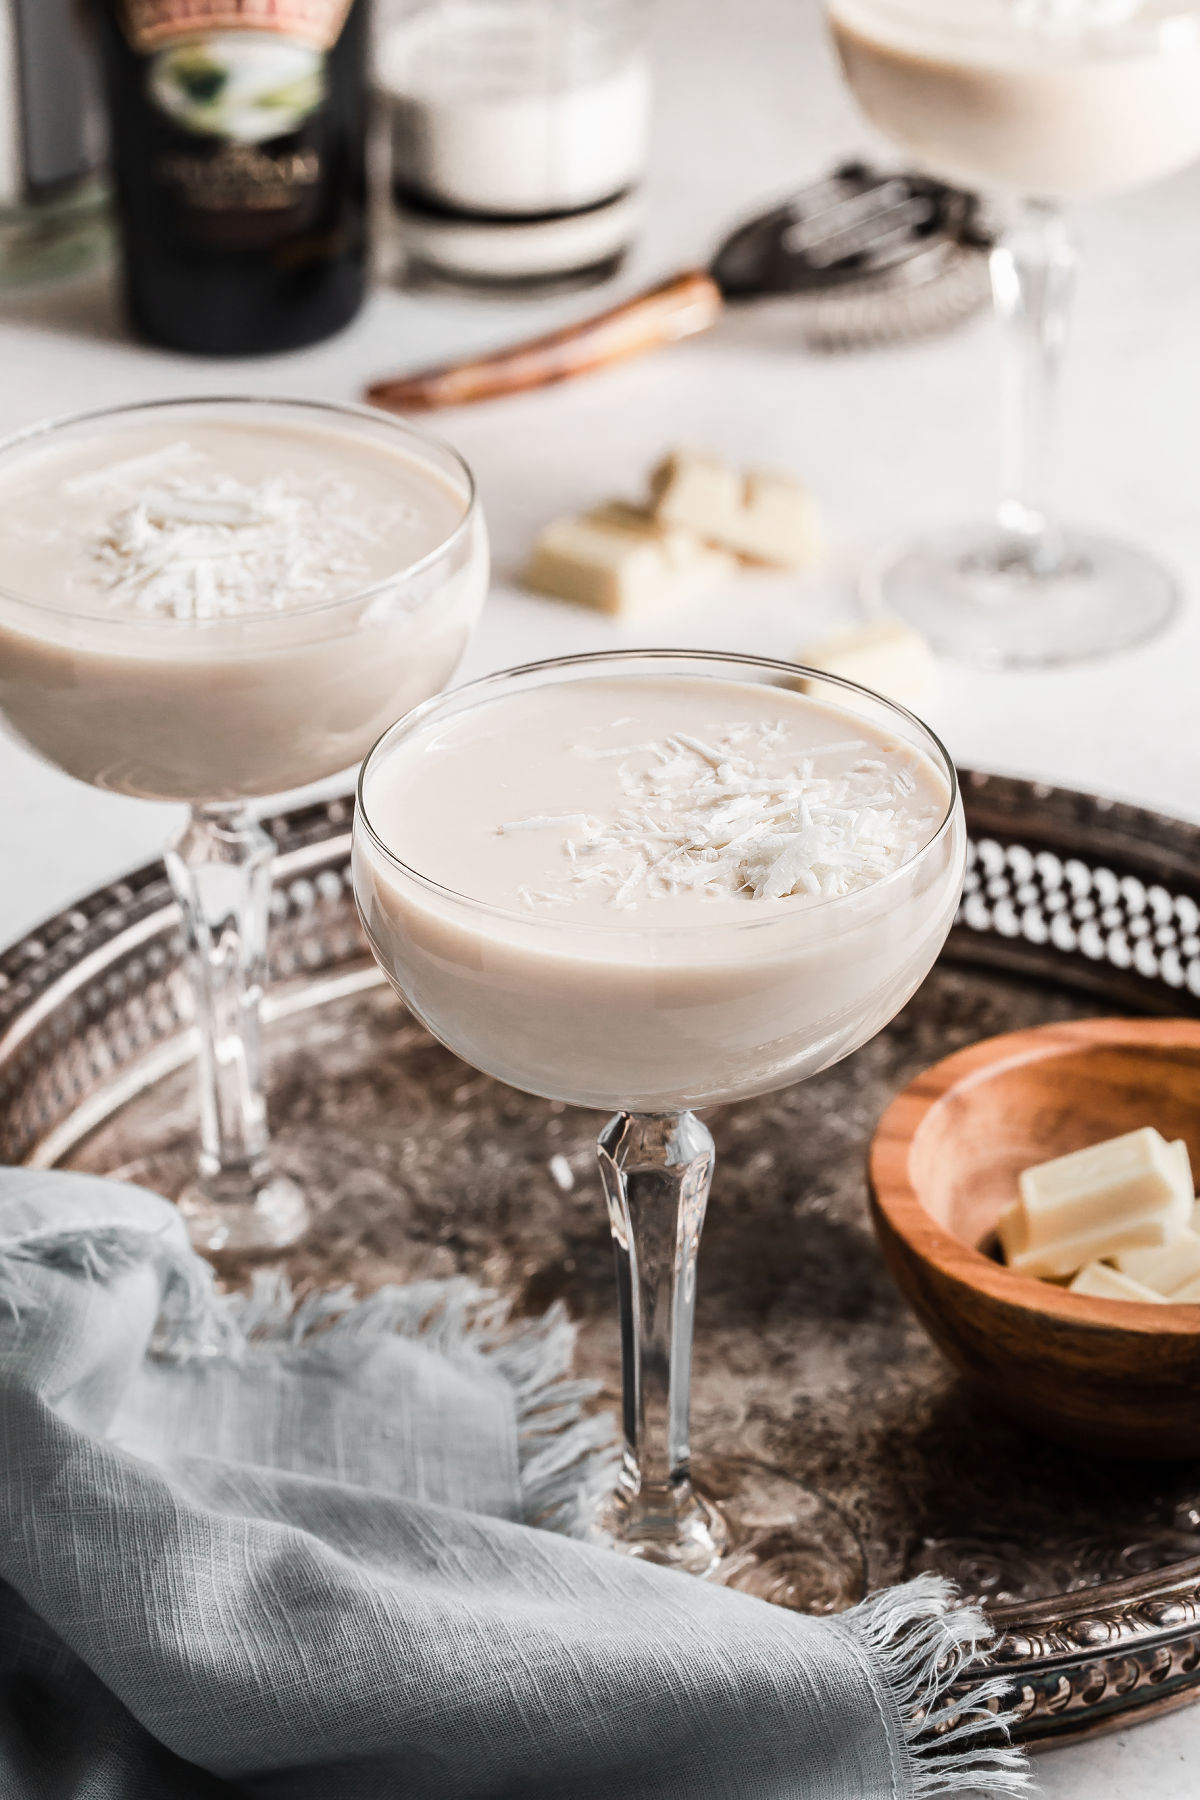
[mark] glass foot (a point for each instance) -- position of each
(240, 1214)
(234, 1214)
(1002, 604)
(683, 1531)
(753, 1528)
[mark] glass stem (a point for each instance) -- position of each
(220, 869)
(1033, 281)
(656, 1171)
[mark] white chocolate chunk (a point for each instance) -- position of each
(1132, 1193)
(1166, 1269)
(619, 560)
(1113, 1183)
(886, 655)
(1185, 1163)
(1103, 1283)
(1068, 1254)
(1012, 1231)
(700, 489)
(764, 516)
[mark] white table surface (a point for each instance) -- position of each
(749, 104)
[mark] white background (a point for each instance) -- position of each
(749, 104)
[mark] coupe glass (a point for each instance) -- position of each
(1035, 102)
(219, 712)
(651, 1022)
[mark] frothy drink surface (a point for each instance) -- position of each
(216, 608)
(213, 520)
(655, 803)
(692, 889)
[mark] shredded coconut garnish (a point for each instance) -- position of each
(744, 814)
(189, 545)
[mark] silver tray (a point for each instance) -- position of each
(806, 1358)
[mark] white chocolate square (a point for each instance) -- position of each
(1185, 1163)
(697, 491)
(764, 516)
(1104, 1283)
(1012, 1231)
(619, 560)
(886, 655)
(1166, 1269)
(1129, 1194)
(1138, 1175)
(1063, 1256)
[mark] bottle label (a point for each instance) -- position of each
(152, 23)
(246, 87)
(239, 87)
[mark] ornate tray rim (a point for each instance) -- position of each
(1078, 1662)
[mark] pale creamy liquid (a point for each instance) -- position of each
(1038, 97)
(655, 891)
(178, 611)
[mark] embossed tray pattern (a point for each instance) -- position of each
(806, 1356)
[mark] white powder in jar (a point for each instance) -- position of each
(530, 113)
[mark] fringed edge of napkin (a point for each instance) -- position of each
(567, 1457)
(917, 1643)
(100, 1252)
(920, 1642)
(98, 1228)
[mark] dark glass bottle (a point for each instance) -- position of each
(239, 157)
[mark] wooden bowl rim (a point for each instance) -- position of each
(900, 1205)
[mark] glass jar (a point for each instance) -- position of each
(519, 136)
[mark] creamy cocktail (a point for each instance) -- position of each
(655, 882)
(210, 603)
(1043, 97)
(1041, 101)
(213, 601)
(720, 880)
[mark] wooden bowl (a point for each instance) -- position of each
(1106, 1375)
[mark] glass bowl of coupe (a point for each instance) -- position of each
(673, 880)
(1037, 102)
(211, 601)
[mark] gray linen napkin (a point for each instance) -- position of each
(283, 1552)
